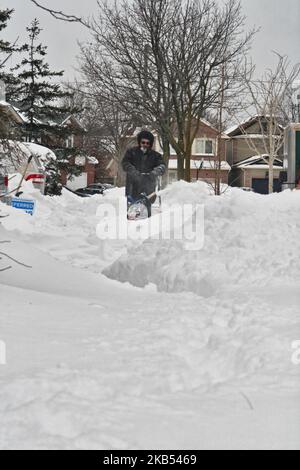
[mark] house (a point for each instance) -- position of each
(71, 148)
(10, 121)
(88, 174)
(205, 156)
(246, 154)
(68, 148)
(100, 143)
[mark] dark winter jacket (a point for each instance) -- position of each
(142, 171)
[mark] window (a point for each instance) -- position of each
(204, 147)
(70, 141)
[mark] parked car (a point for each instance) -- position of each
(93, 190)
(88, 192)
(108, 186)
(16, 155)
(247, 189)
(100, 186)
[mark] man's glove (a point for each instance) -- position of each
(136, 176)
(158, 171)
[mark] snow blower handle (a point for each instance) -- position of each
(152, 195)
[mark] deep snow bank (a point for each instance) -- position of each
(250, 239)
(65, 227)
(92, 363)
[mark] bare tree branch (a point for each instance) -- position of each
(268, 102)
(60, 15)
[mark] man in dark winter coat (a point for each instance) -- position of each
(143, 166)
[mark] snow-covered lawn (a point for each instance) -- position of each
(194, 351)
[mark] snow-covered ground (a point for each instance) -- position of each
(191, 350)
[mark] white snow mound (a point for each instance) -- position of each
(250, 240)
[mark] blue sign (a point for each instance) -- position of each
(27, 205)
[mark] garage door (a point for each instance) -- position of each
(261, 185)
(78, 182)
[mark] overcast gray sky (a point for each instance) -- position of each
(279, 21)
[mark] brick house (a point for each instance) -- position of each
(100, 144)
(204, 156)
(247, 156)
(60, 146)
(11, 116)
(75, 140)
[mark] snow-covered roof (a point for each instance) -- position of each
(253, 136)
(43, 153)
(71, 116)
(93, 160)
(49, 122)
(259, 162)
(207, 123)
(236, 127)
(247, 122)
(205, 165)
(23, 115)
(137, 130)
(15, 112)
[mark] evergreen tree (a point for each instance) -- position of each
(6, 49)
(45, 104)
(38, 96)
(54, 170)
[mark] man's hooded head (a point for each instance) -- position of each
(145, 139)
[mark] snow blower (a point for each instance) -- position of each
(140, 208)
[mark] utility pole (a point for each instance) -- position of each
(296, 101)
(219, 138)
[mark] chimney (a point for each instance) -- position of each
(2, 91)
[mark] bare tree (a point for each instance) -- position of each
(106, 120)
(230, 101)
(166, 56)
(269, 101)
(127, 64)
